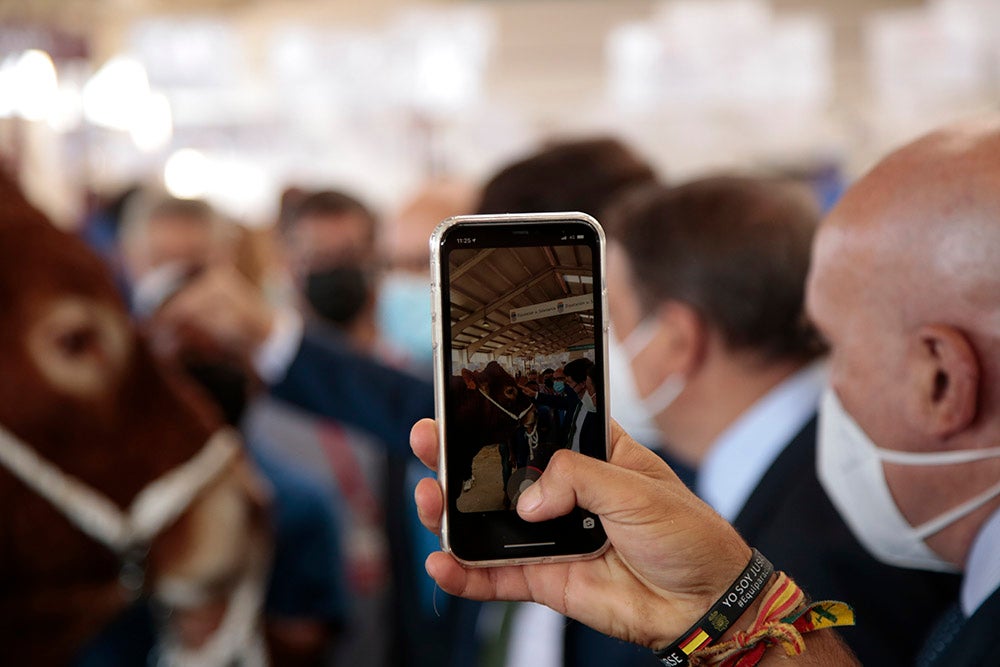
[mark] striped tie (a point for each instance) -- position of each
(948, 625)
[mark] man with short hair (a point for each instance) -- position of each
(547, 381)
(328, 239)
(709, 283)
(904, 286)
(160, 231)
(166, 243)
(404, 307)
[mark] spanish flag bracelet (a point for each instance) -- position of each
(726, 610)
(783, 617)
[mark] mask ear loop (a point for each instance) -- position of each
(936, 458)
(935, 526)
(664, 395)
(640, 338)
(938, 524)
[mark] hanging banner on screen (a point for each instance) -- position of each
(571, 304)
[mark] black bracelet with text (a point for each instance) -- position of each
(751, 582)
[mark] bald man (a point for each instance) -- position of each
(905, 287)
(709, 280)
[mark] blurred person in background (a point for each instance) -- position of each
(433, 625)
(404, 305)
(329, 243)
(582, 175)
(709, 282)
(328, 376)
(586, 175)
(166, 243)
(321, 376)
(328, 240)
(547, 381)
(100, 228)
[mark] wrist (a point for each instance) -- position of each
(716, 577)
(750, 612)
(721, 614)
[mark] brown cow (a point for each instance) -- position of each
(488, 408)
(87, 421)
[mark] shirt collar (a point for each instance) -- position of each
(739, 457)
(982, 569)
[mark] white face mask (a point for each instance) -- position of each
(626, 406)
(588, 402)
(672, 386)
(849, 465)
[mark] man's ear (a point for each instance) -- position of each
(680, 342)
(945, 378)
(687, 335)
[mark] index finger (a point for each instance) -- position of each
(424, 442)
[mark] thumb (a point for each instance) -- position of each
(571, 480)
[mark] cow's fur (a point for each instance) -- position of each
(79, 386)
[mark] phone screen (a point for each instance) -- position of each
(523, 370)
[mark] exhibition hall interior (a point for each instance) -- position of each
(220, 365)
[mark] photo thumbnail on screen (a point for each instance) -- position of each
(523, 379)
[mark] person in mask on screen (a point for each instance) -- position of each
(576, 403)
(709, 283)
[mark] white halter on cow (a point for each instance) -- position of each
(533, 435)
(155, 508)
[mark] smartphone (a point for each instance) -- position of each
(520, 355)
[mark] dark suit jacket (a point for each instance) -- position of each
(330, 379)
(582, 646)
(790, 519)
(976, 644)
(590, 429)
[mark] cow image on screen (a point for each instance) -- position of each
(523, 382)
(490, 411)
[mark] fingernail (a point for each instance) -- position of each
(530, 499)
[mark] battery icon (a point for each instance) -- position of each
(580, 236)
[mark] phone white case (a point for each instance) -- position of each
(438, 319)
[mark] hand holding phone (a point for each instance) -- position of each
(671, 554)
(517, 297)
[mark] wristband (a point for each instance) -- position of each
(784, 616)
(726, 610)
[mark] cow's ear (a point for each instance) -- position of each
(469, 377)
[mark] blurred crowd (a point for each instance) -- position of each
(313, 339)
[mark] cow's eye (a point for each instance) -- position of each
(510, 392)
(78, 341)
(80, 346)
